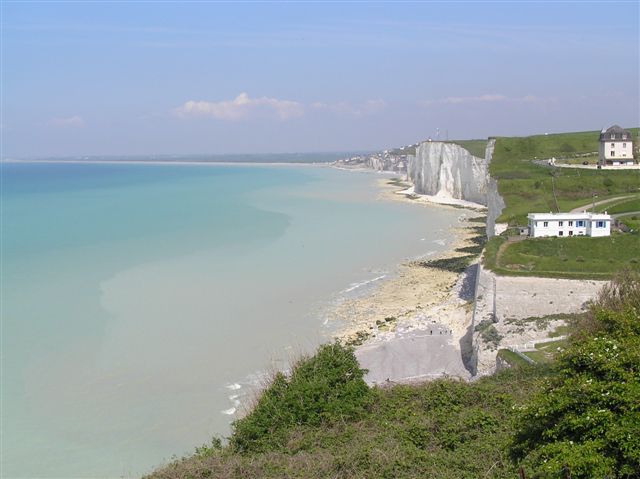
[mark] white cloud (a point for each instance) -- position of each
(343, 108)
(472, 99)
(241, 107)
(74, 121)
(487, 98)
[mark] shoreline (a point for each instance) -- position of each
(409, 326)
(167, 162)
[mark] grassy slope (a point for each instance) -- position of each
(575, 257)
(442, 429)
(623, 206)
(592, 256)
(475, 147)
(528, 187)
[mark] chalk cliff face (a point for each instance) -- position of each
(448, 170)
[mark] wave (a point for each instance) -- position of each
(357, 285)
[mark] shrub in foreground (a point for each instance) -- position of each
(323, 389)
(586, 423)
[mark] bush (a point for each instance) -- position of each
(587, 421)
(323, 389)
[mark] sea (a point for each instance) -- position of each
(143, 304)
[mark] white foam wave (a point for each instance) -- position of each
(354, 286)
(229, 411)
(234, 386)
(441, 242)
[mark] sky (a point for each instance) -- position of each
(137, 78)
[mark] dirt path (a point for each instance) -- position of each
(580, 209)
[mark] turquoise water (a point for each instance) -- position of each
(141, 303)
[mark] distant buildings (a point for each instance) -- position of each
(616, 147)
(569, 224)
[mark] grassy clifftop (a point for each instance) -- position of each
(527, 186)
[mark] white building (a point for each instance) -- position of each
(569, 224)
(616, 147)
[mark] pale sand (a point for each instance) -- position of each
(429, 317)
(407, 192)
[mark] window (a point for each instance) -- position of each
(560, 223)
(624, 136)
(545, 224)
(570, 223)
(613, 145)
(613, 136)
(580, 223)
(624, 145)
(561, 233)
(570, 233)
(613, 153)
(600, 224)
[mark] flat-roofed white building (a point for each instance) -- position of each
(569, 224)
(616, 147)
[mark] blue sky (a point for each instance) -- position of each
(179, 78)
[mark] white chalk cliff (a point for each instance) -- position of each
(448, 170)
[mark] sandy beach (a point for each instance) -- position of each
(410, 326)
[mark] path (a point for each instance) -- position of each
(582, 208)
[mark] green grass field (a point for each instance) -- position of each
(528, 187)
(623, 206)
(475, 147)
(575, 257)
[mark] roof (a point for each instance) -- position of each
(568, 216)
(619, 134)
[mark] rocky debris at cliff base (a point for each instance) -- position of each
(390, 191)
(515, 305)
(421, 309)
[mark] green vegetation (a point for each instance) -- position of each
(632, 222)
(458, 264)
(575, 257)
(489, 333)
(449, 429)
(586, 421)
(442, 429)
(322, 390)
(408, 150)
(398, 182)
(454, 265)
(546, 352)
(475, 147)
(623, 206)
(527, 186)
(511, 358)
(577, 416)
